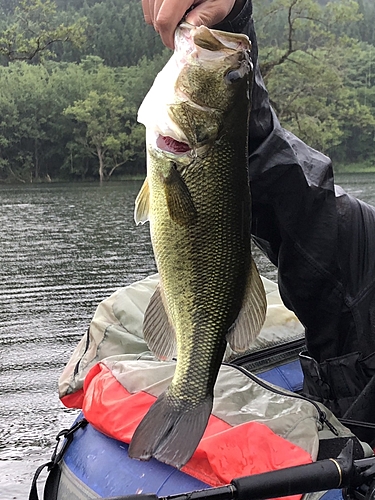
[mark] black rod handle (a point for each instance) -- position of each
(317, 476)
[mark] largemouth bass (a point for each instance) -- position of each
(196, 197)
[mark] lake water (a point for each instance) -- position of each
(63, 249)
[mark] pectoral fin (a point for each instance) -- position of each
(252, 315)
(179, 201)
(158, 332)
(142, 204)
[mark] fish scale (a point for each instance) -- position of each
(199, 208)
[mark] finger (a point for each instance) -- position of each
(155, 6)
(210, 12)
(169, 16)
(147, 12)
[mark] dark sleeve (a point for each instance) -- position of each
(325, 259)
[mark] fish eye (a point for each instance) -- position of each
(233, 76)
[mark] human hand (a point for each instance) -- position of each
(165, 15)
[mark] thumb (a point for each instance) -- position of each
(209, 13)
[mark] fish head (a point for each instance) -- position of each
(199, 93)
(215, 66)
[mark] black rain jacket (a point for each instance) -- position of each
(322, 241)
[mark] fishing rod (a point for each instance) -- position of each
(355, 477)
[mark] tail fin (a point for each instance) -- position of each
(170, 432)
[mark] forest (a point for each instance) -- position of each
(74, 72)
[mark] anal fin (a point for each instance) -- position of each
(252, 315)
(158, 332)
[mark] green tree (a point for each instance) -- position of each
(25, 86)
(34, 30)
(311, 69)
(358, 143)
(40, 140)
(313, 100)
(105, 119)
(116, 32)
(365, 29)
(34, 131)
(289, 26)
(105, 130)
(8, 125)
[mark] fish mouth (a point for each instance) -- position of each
(189, 38)
(170, 145)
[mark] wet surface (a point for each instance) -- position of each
(64, 248)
